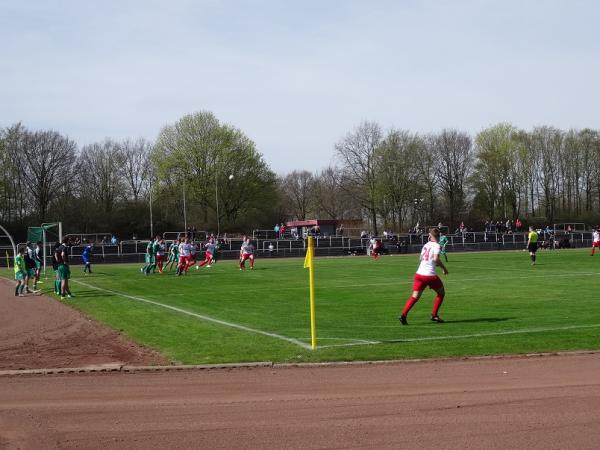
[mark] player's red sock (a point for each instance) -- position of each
(408, 305)
(437, 303)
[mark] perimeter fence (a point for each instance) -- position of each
(133, 251)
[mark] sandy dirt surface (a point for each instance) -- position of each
(40, 332)
(549, 402)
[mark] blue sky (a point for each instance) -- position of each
(297, 76)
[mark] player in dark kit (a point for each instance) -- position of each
(64, 272)
(86, 257)
(532, 245)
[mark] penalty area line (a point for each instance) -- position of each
(198, 316)
(462, 336)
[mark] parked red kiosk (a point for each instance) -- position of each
(315, 227)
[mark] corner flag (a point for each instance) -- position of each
(310, 265)
(308, 259)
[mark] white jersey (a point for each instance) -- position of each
(596, 235)
(247, 249)
(184, 249)
(427, 266)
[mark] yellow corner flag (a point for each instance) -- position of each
(308, 259)
(310, 265)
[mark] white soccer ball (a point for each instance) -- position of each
(231, 177)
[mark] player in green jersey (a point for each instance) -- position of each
(443, 242)
(150, 257)
(173, 254)
(20, 271)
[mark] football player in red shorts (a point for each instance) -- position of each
(247, 252)
(375, 248)
(426, 277)
(160, 254)
(595, 240)
(184, 256)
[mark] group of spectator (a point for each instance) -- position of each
(280, 230)
(506, 226)
(112, 241)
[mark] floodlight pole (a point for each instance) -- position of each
(217, 201)
(151, 224)
(184, 210)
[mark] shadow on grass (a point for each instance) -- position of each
(482, 319)
(91, 293)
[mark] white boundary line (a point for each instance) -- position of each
(409, 281)
(462, 336)
(199, 316)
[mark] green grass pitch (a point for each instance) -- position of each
(496, 303)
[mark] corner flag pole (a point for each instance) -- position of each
(309, 264)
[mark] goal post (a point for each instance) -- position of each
(37, 234)
(6, 234)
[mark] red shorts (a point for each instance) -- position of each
(596, 244)
(420, 282)
(184, 260)
(246, 256)
(160, 258)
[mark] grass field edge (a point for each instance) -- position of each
(128, 369)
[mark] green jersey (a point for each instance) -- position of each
(174, 249)
(155, 247)
(443, 241)
(20, 264)
(150, 249)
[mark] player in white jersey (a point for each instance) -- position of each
(184, 256)
(595, 240)
(160, 254)
(246, 252)
(426, 277)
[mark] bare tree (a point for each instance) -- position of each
(548, 142)
(100, 167)
(332, 199)
(357, 152)
(297, 188)
(136, 166)
(48, 158)
(453, 150)
(399, 180)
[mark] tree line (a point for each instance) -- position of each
(397, 178)
(209, 175)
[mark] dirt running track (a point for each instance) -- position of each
(549, 402)
(40, 332)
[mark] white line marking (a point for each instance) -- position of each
(353, 340)
(199, 316)
(408, 281)
(464, 336)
